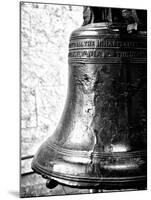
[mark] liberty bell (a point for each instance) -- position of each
(101, 139)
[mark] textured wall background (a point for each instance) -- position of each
(45, 32)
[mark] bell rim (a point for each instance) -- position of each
(85, 182)
(95, 178)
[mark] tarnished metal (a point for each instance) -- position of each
(101, 138)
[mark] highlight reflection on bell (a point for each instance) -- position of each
(100, 140)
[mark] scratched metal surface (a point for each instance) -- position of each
(97, 141)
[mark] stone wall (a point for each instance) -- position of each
(45, 32)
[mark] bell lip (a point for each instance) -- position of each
(84, 182)
(95, 160)
(93, 179)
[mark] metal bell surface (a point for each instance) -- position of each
(101, 139)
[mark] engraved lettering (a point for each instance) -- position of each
(102, 53)
(98, 43)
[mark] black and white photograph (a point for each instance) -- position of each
(83, 99)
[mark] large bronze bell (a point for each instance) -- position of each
(101, 138)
